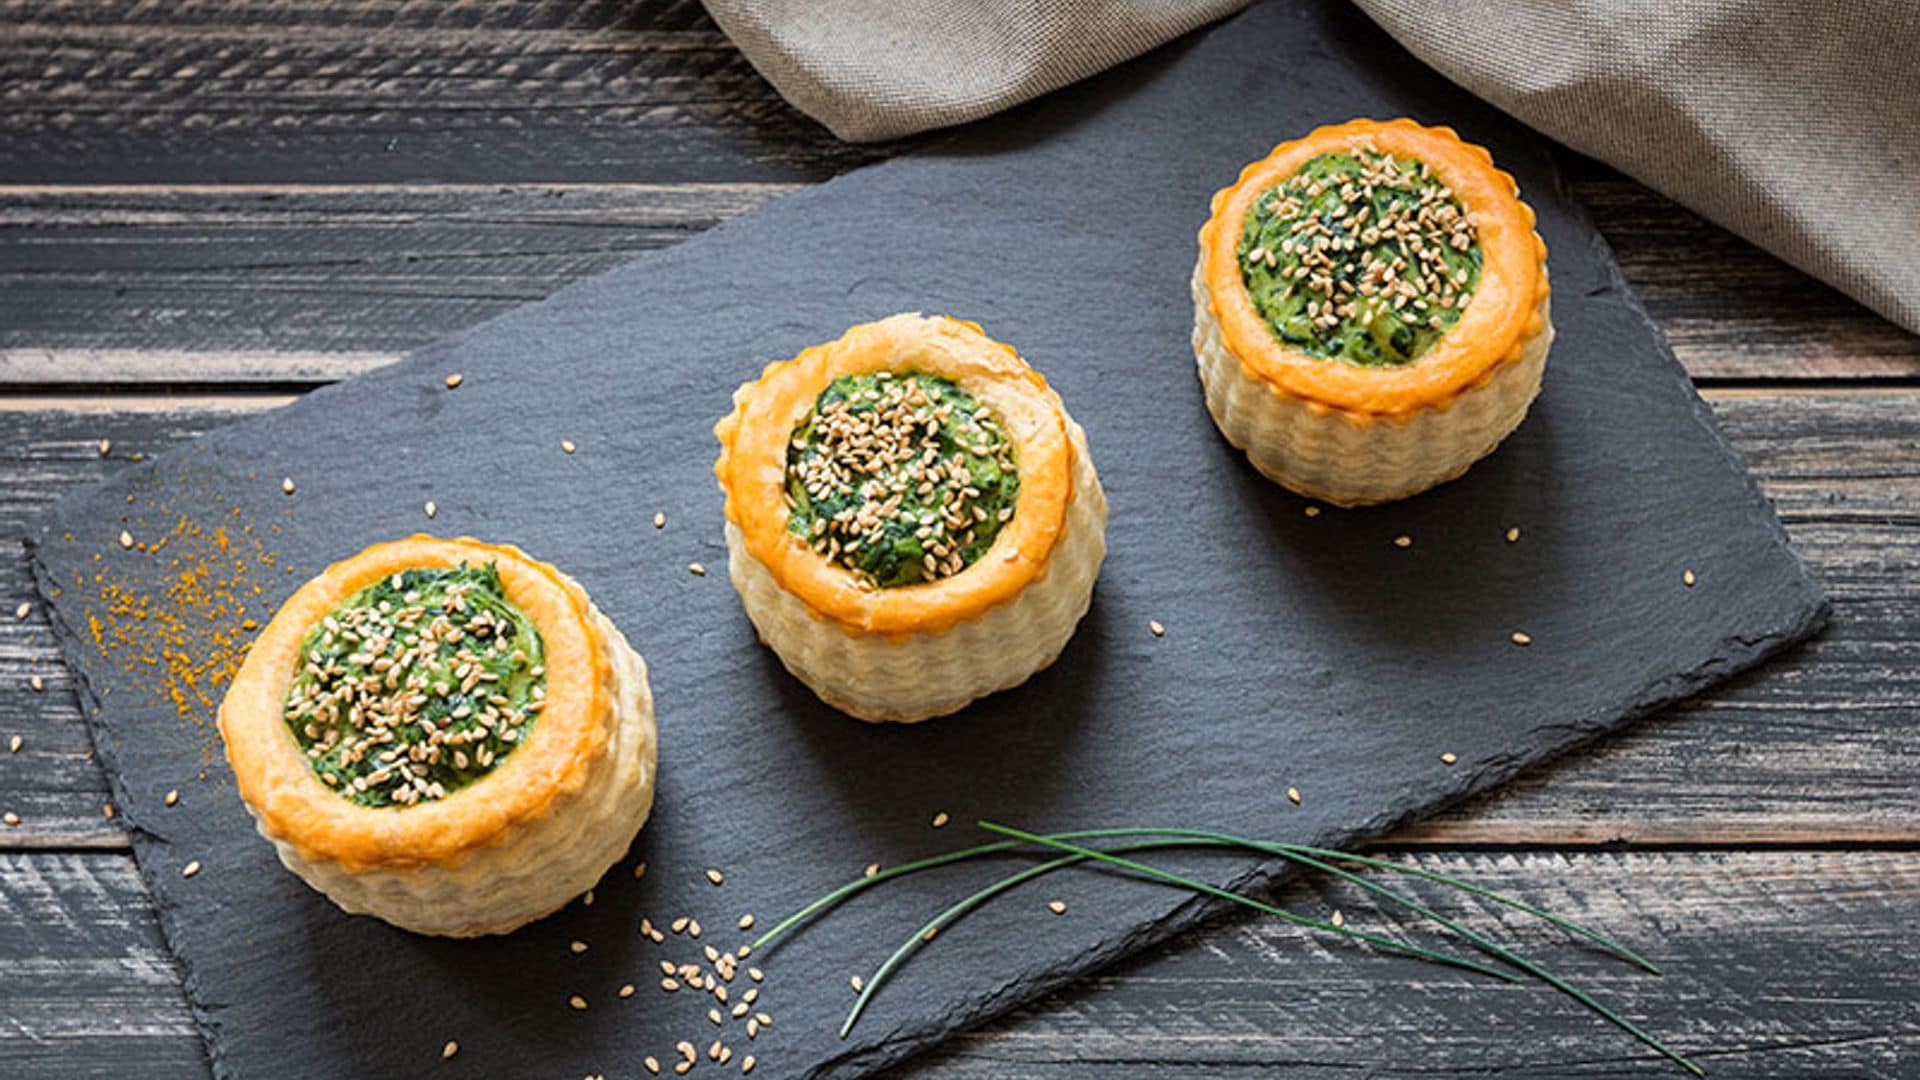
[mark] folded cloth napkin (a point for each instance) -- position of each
(1795, 123)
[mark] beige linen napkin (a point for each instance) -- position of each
(1795, 123)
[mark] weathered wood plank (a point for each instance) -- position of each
(493, 91)
(309, 283)
(1821, 745)
(275, 283)
(89, 987)
(1779, 964)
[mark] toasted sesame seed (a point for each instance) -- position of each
(857, 983)
(1403, 541)
(872, 869)
(431, 509)
(107, 811)
(1513, 535)
(716, 877)
(660, 519)
(566, 446)
(577, 947)
(1448, 759)
(10, 818)
(693, 928)
(1293, 795)
(1689, 579)
(25, 609)
(683, 1068)
(1522, 638)
(940, 820)
(449, 1050)
(1339, 919)
(37, 683)
(579, 1003)
(626, 990)
(286, 485)
(586, 898)
(173, 797)
(669, 984)
(746, 1064)
(679, 925)
(454, 380)
(756, 974)
(765, 1020)
(652, 1063)
(1058, 907)
(106, 447)
(696, 570)
(13, 744)
(639, 871)
(190, 869)
(753, 1029)
(714, 1015)
(1312, 511)
(1157, 628)
(746, 921)
(126, 539)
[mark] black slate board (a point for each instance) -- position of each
(1306, 652)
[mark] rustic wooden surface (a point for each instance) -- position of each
(208, 208)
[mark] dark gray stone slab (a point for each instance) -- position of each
(1299, 652)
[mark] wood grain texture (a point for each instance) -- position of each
(1819, 746)
(90, 989)
(303, 283)
(475, 90)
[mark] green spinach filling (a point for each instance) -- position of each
(901, 478)
(1360, 257)
(417, 686)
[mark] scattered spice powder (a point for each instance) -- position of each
(178, 621)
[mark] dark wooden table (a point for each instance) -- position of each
(207, 208)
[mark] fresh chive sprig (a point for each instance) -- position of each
(1324, 860)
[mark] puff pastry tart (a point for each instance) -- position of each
(913, 520)
(445, 734)
(1370, 310)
